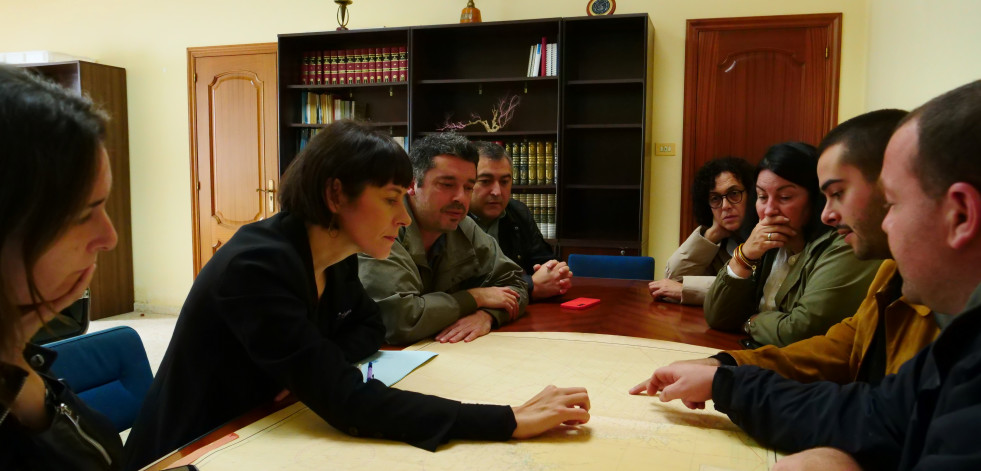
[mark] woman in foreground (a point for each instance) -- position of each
(54, 181)
(280, 307)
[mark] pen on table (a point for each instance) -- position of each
(368, 374)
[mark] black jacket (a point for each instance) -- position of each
(521, 240)
(252, 325)
(77, 438)
(926, 416)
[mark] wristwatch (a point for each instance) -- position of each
(748, 325)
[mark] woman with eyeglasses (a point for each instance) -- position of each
(793, 277)
(720, 198)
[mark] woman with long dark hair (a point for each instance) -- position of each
(280, 306)
(793, 277)
(54, 181)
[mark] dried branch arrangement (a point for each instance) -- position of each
(502, 114)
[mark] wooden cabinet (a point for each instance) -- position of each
(596, 109)
(112, 284)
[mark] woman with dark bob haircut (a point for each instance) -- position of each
(280, 308)
(720, 199)
(54, 182)
(793, 277)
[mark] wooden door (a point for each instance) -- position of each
(754, 82)
(234, 159)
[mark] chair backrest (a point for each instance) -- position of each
(625, 267)
(108, 370)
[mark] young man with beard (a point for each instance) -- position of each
(445, 276)
(928, 415)
(887, 330)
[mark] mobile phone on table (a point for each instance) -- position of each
(580, 303)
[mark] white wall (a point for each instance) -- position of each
(150, 40)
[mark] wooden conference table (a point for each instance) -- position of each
(625, 309)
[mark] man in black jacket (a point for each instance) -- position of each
(512, 225)
(928, 415)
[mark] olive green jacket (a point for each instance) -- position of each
(825, 286)
(417, 301)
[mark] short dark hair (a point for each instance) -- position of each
(349, 152)
(949, 140)
(491, 150)
(426, 149)
(705, 181)
(796, 162)
(51, 140)
(864, 139)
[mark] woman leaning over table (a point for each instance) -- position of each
(793, 278)
(720, 195)
(280, 306)
(54, 181)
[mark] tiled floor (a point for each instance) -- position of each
(155, 330)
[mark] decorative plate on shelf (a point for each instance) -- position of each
(600, 7)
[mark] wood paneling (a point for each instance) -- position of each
(754, 82)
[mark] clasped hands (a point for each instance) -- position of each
(551, 278)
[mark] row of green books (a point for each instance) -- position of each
(542, 206)
(534, 163)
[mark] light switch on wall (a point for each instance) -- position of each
(663, 148)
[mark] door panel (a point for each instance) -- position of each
(754, 82)
(235, 167)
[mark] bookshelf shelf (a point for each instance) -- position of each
(533, 188)
(604, 126)
(492, 134)
(488, 80)
(606, 82)
(344, 86)
(603, 187)
(368, 123)
(594, 112)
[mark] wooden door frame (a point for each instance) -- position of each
(194, 53)
(831, 21)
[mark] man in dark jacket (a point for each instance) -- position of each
(513, 226)
(928, 415)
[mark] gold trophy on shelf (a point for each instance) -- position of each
(342, 16)
(470, 14)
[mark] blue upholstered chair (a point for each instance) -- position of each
(108, 370)
(625, 267)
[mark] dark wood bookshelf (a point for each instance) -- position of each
(485, 134)
(112, 284)
(597, 108)
(342, 86)
(487, 80)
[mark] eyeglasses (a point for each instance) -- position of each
(734, 197)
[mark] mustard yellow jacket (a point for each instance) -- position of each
(837, 356)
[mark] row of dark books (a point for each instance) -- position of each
(542, 206)
(324, 108)
(534, 163)
(355, 66)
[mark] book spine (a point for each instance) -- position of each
(531, 60)
(555, 172)
(403, 64)
(550, 216)
(372, 64)
(386, 64)
(549, 164)
(532, 164)
(544, 50)
(342, 66)
(523, 171)
(540, 163)
(319, 68)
